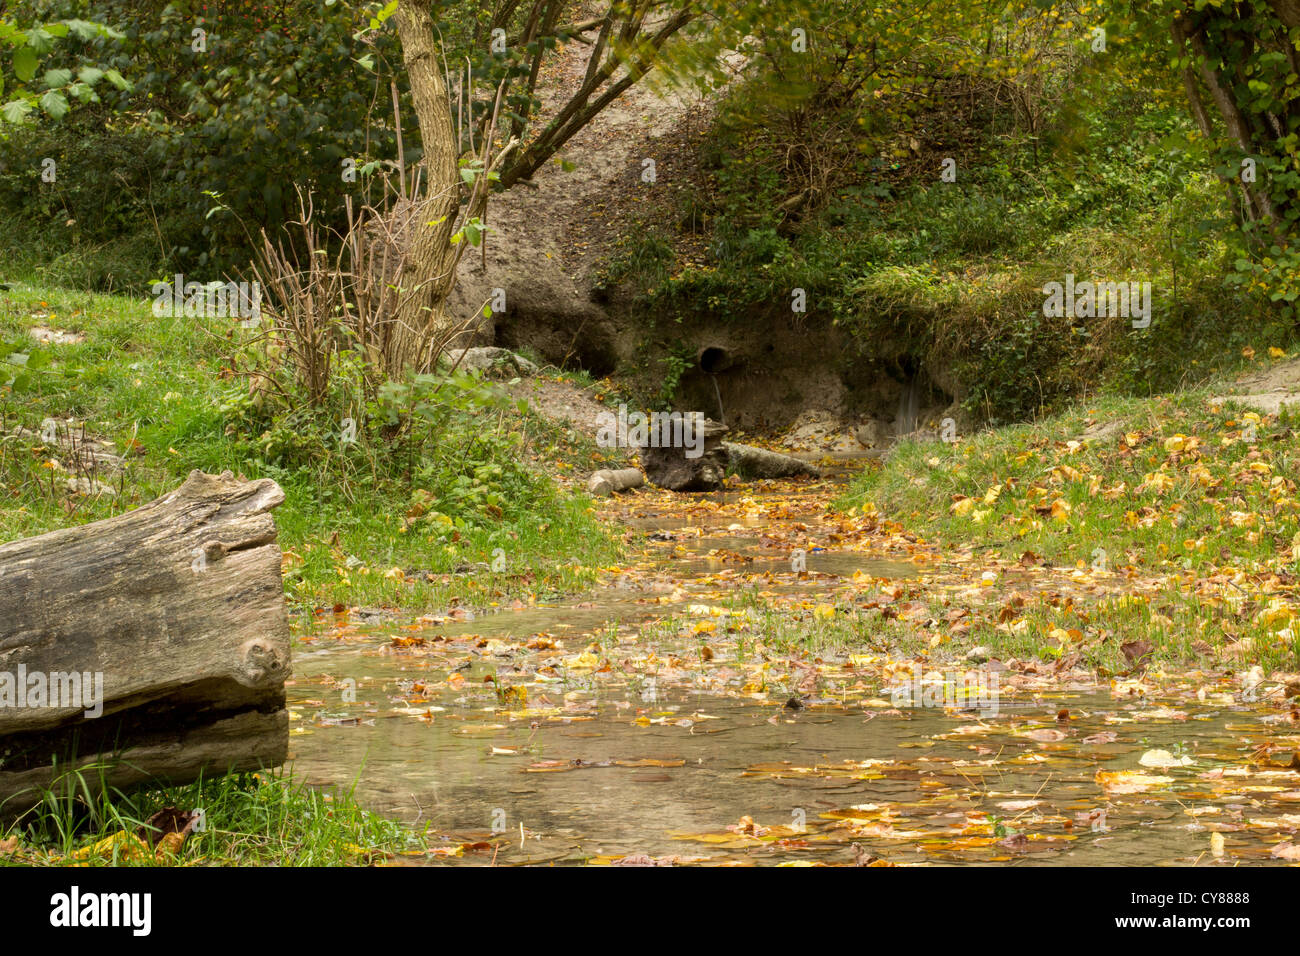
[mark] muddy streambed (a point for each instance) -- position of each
(582, 732)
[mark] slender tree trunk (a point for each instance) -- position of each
(1256, 202)
(428, 275)
(429, 271)
(1243, 211)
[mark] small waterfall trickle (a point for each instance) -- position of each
(722, 416)
(908, 408)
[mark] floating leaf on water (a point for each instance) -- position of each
(1017, 805)
(1163, 759)
(1044, 735)
(1286, 851)
(1130, 781)
(1105, 737)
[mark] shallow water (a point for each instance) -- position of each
(590, 765)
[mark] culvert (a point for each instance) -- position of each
(714, 359)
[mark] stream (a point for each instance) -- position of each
(584, 731)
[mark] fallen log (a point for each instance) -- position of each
(693, 459)
(609, 480)
(750, 462)
(151, 645)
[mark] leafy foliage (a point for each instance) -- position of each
(217, 128)
(54, 90)
(848, 202)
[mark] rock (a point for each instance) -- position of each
(872, 433)
(811, 429)
(89, 488)
(819, 430)
(491, 361)
(48, 336)
(1100, 431)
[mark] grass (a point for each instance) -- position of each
(1175, 518)
(1168, 484)
(57, 255)
(163, 387)
(248, 820)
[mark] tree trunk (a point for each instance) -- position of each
(1225, 45)
(609, 480)
(750, 462)
(1202, 117)
(154, 643)
(429, 269)
(675, 466)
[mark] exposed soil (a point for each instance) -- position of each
(547, 236)
(550, 240)
(1268, 389)
(561, 401)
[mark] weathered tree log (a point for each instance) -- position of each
(609, 480)
(152, 645)
(701, 465)
(751, 462)
(692, 459)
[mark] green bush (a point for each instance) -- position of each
(208, 147)
(950, 274)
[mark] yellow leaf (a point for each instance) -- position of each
(122, 846)
(168, 846)
(1276, 614)
(1130, 781)
(584, 661)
